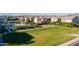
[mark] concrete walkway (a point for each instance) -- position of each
(71, 42)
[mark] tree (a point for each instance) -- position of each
(2, 29)
(59, 20)
(5, 19)
(75, 21)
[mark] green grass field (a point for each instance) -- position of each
(49, 36)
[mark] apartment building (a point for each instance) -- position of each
(23, 20)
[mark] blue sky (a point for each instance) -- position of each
(16, 14)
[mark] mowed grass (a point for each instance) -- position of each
(50, 36)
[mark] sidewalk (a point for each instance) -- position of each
(71, 42)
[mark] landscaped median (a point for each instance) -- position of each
(41, 37)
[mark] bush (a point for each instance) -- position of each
(67, 24)
(19, 27)
(32, 25)
(17, 38)
(2, 29)
(64, 24)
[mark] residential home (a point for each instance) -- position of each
(67, 19)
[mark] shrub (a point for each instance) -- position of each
(32, 25)
(2, 29)
(64, 24)
(67, 24)
(19, 27)
(17, 38)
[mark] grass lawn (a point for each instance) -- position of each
(50, 36)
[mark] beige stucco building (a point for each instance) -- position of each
(41, 19)
(67, 19)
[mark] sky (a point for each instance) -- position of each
(33, 14)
